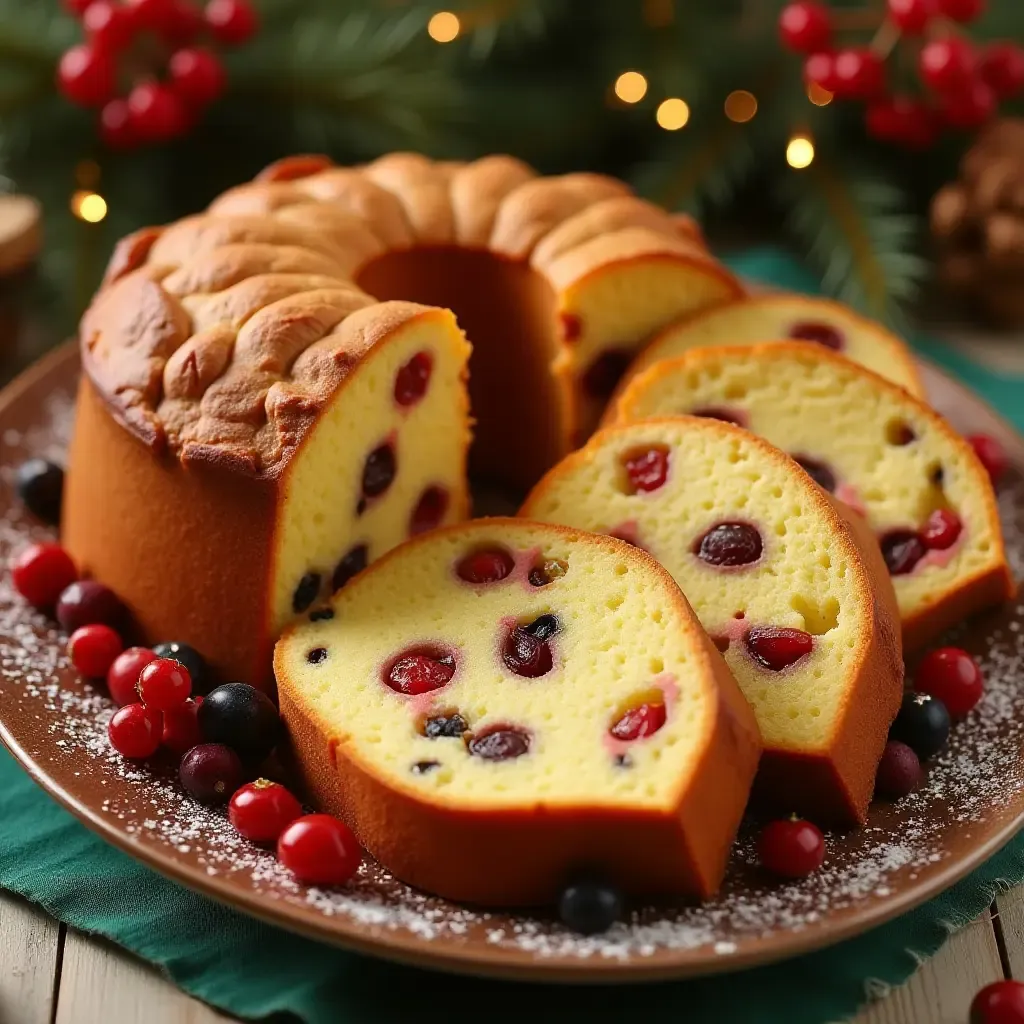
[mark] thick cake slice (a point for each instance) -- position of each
(776, 315)
(803, 609)
(497, 705)
(886, 454)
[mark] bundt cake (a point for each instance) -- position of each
(498, 704)
(775, 315)
(792, 590)
(864, 439)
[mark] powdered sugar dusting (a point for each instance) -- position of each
(977, 783)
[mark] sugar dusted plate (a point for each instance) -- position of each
(973, 802)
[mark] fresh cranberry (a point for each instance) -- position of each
(420, 672)
(94, 649)
(730, 544)
(961, 10)
(643, 720)
(85, 75)
(231, 21)
(805, 26)
(711, 412)
(41, 573)
(647, 470)
(818, 471)
(1002, 1002)
(197, 76)
(412, 379)
(941, 529)
(319, 850)
(261, 810)
(570, 326)
(792, 847)
(525, 654)
(123, 674)
(605, 372)
(379, 470)
(211, 772)
(181, 726)
(953, 676)
(116, 128)
(859, 73)
(489, 565)
(107, 25)
(157, 112)
(1002, 68)
(164, 684)
(135, 731)
(902, 550)
(500, 743)
(969, 107)
(778, 647)
(899, 771)
(353, 563)
(992, 455)
(86, 602)
(947, 64)
(430, 510)
(819, 333)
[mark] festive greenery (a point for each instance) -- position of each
(354, 78)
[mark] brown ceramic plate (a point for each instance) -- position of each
(973, 802)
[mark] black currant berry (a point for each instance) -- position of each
(589, 906)
(241, 717)
(41, 486)
(922, 723)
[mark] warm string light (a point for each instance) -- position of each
(740, 106)
(799, 152)
(673, 113)
(89, 206)
(631, 87)
(443, 27)
(818, 94)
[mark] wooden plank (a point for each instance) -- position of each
(29, 957)
(942, 990)
(1010, 909)
(100, 983)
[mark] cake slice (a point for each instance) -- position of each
(776, 315)
(496, 705)
(885, 453)
(794, 593)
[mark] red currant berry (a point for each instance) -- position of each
(911, 16)
(961, 10)
(76, 7)
(941, 529)
(86, 75)
(859, 74)
(970, 107)
(231, 21)
(108, 26)
(135, 731)
(123, 674)
(899, 771)
(1002, 68)
(261, 810)
(992, 455)
(197, 76)
(94, 649)
(157, 113)
(181, 726)
(951, 675)
(153, 15)
(164, 684)
(41, 572)
(319, 850)
(792, 847)
(1002, 1002)
(116, 125)
(805, 26)
(820, 68)
(946, 64)
(646, 469)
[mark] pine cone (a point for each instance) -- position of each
(978, 224)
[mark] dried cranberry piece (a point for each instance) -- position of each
(491, 565)
(823, 334)
(527, 655)
(571, 327)
(412, 380)
(730, 544)
(353, 563)
(941, 529)
(605, 372)
(500, 743)
(429, 510)
(306, 592)
(444, 727)
(778, 647)
(643, 720)
(646, 469)
(420, 672)
(818, 471)
(902, 550)
(379, 470)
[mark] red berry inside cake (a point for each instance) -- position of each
(801, 607)
(498, 704)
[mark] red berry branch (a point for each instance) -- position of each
(960, 83)
(144, 66)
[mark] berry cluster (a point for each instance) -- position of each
(141, 67)
(963, 84)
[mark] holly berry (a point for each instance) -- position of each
(791, 847)
(40, 486)
(231, 21)
(1002, 1002)
(164, 684)
(76, 7)
(899, 771)
(922, 723)
(1001, 67)
(590, 906)
(211, 772)
(181, 726)
(93, 649)
(41, 572)
(319, 850)
(961, 10)
(123, 674)
(902, 119)
(160, 16)
(946, 65)
(242, 717)
(135, 731)
(805, 26)
(992, 455)
(116, 128)
(108, 26)
(261, 810)
(85, 602)
(157, 113)
(911, 16)
(858, 74)
(197, 76)
(953, 676)
(970, 107)
(820, 68)
(86, 75)
(184, 24)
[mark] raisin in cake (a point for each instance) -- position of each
(496, 705)
(885, 453)
(794, 592)
(774, 316)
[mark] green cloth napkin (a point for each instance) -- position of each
(251, 969)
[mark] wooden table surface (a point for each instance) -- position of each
(51, 974)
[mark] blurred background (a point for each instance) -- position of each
(872, 138)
